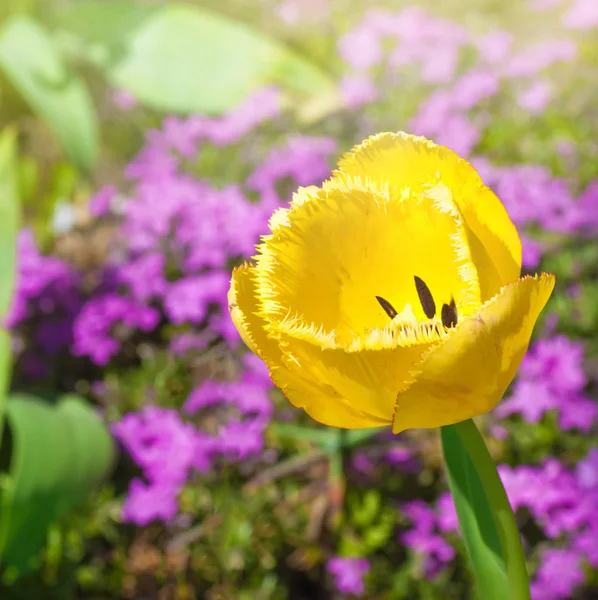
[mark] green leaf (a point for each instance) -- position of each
(357, 437)
(9, 224)
(32, 63)
(476, 520)
(9, 214)
(57, 455)
(325, 438)
(105, 23)
(186, 59)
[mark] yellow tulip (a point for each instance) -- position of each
(392, 294)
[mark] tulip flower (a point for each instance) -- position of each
(392, 294)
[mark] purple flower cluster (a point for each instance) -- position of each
(563, 503)
(551, 377)
(425, 537)
(185, 135)
(348, 574)
(46, 301)
(456, 115)
(44, 283)
(163, 447)
(95, 328)
(168, 449)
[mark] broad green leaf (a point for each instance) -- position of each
(186, 59)
(105, 23)
(9, 223)
(58, 454)
(477, 523)
(32, 63)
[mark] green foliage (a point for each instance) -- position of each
(31, 62)
(478, 526)
(9, 222)
(52, 459)
(182, 58)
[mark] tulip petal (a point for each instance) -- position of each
(330, 256)
(467, 374)
(322, 403)
(242, 305)
(360, 386)
(412, 162)
(315, 395)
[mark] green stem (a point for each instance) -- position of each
(510, 538)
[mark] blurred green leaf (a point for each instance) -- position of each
(356, 437)
(326, 438)
(9, 224)
(57, 456)
(478, 526)
(365, 513)
(9, 214)
(107, 23)
(187, 59)
(32, 63)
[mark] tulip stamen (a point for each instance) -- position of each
(425, 297)
(388, 307)
(449, 314)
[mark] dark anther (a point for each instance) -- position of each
(425, 297)
(388, 307)
(449, 314)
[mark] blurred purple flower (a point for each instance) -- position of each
(188, 341)
(558, 576)
(149, 502)
(582, 14)
(542, 55)
(124, 100)
(348, 574)
(361, 47)
(531, 253)
(303, 158)
(531, 399)
(459, 134)
(240, 439)
(256, 370)
(532, 195)
(93, 328)
(248, 395)
(494, 47)
(447, 515)
(587, 470)
(183, 135)
(473, 87)
(560, 360)
(357, 90)
(159, 442)
(144, 276)
(43, 283)
(100, 204)
(551, 377)
(425, 538)
(536, 97)
(187, 300)
(403, 458)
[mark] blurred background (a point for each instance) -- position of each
(145, 454)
